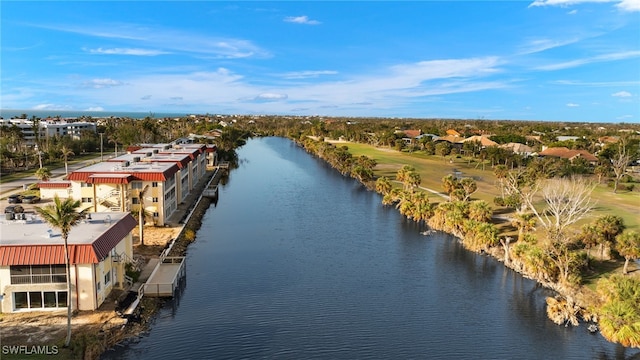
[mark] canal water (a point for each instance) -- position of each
(298, 262)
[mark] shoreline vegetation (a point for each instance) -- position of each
(479, 229)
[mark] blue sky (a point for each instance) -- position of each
(570, 60)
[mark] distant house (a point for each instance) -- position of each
(567, 138)
(410, 136)
(518, 148)
(452, 132)
(569, 154)
(603, 140)
(483, 140)
(32, 266)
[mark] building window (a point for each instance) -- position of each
(85, 184)
(86, 200)
(98, 286)
(107, 278)
(154, 184)
(39, 299)
(136, 184)
(155, 214)
(135, 200)
(38, 274)
(155, 200)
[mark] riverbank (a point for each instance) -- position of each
(578, 300)
(94, 332)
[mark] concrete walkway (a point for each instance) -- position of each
(145, 273)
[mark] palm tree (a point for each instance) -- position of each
(608, 227)
(65, 154)
(383, 185)
(43, 174)
(619, 315)
(628, 245)
(63, 215)
(480, 211)
(525, 222)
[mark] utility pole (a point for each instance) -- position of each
(101, 157)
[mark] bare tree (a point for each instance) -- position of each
(620, 161)
(567, 200)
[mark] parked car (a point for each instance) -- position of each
(31, 199)
(15, 199)
(13, 209)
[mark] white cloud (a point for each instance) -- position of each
(621, 94)
(629, 5)
(624, 5)
(270, 97)
(539, 45)
(564, 2)
(573, 105)
(102, 83)
(126, 51)
(623, 117)
(172, 41)
(301, 20)
(572, 12)
(307, 74)
(599, 58)
(52, 107)
(94, 108)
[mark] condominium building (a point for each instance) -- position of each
(32, 267)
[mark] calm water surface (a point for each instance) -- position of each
(298, 262)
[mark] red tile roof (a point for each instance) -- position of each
(565, 153)
(34, 254)
(413, 133)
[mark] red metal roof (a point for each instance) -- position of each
(78, 253)
(115, 178)
(109, 179)
(54, 184)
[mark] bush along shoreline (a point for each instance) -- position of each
(555, 262)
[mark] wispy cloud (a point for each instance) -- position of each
(597, 84)
(564, 2)
(102, 83)
(170, 40)
(622, 94)
(599, 58)
(270, 97)
(94, 108)
(52, 107)
(629, 5)
(573, 105)
(126, 51)
(539, 45)
(307, 74)
(624, 5)
(301, 20)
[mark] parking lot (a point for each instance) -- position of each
(28, 208)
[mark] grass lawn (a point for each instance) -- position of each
(433, 168)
